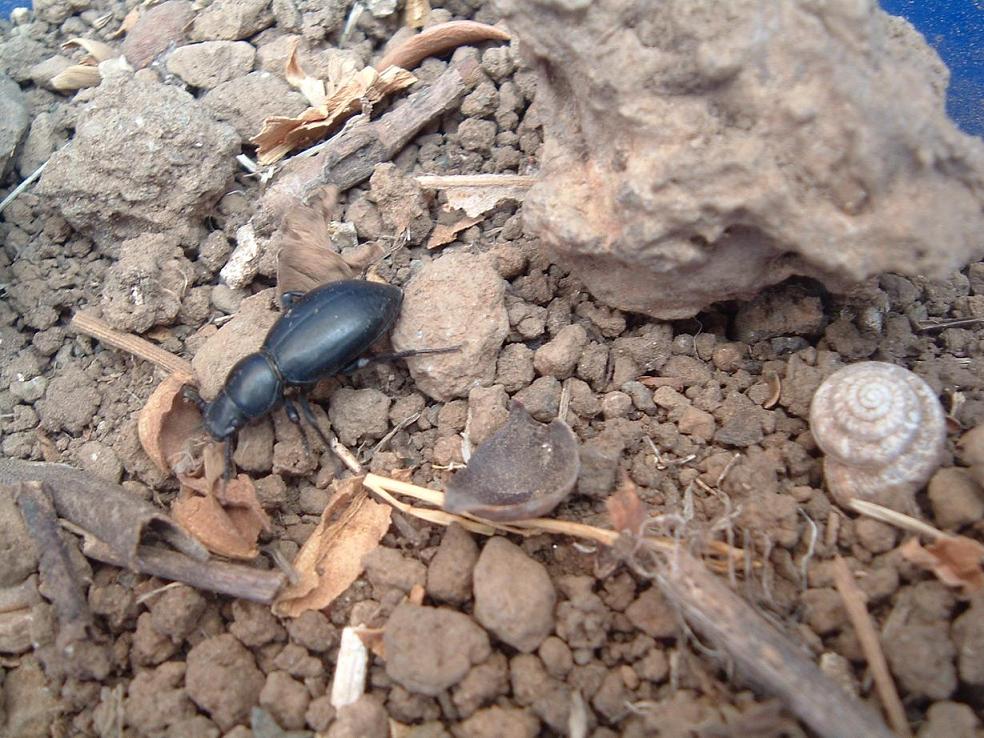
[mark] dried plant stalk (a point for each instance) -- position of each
(140, 347)
(536, 526)
(58, 577)
(438, 39)
(232, 580)
(854, 602)
(762, 653)
(447, 181)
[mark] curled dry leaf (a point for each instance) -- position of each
(281, 135)
(523, 470)
(311, 87)
(226, 517)
(331, 559)
(168, 424)
(310, 242)
(956, 560)
(128, 22)
(76, 77)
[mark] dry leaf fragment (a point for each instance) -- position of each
(956, 560)
(331, 558)
(87, 73)
(445, 234)
(168, 423)
(76, 77)
(128, 22)
(225, 516)
(312, 88)
(208, 521)
(625, 509)
(281, 135)
(478, 193)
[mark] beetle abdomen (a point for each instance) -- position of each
(330, 327)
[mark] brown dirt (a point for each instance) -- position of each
(142, 237)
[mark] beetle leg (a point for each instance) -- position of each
(190, 393)
(313, 421)
(288, 299)
(376, 358)
(292, 415)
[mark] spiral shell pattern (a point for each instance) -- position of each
(883, 432)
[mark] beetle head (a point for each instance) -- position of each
(222, 417)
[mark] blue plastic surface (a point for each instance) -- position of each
(955, 28)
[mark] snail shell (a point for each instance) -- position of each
(883, 432)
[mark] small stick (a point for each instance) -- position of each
(854, 602)
(233, 580)
(762, 653)
(139, 347)
(58, 577)
(21, 187)
(448, 181)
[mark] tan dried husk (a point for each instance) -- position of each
(167, 422)
(333, 101)
(225, 516)
(76, 77)
(85, 74)
(445, 234)
(331, 558)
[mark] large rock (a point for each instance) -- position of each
(455, 300)
(146, 157)
(696, 151)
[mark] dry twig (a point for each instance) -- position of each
(763, 654)
(232, 580)
(140, 347)
(58, 577)
(854, 602)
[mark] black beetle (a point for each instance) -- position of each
(321, 333)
